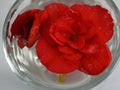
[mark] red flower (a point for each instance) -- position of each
(26, 28)
(73, 38)
(70, 38)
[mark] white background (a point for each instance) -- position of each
(9, 81)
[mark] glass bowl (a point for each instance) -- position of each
(26, 65)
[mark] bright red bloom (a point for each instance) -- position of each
(24, 25)
(74, 38)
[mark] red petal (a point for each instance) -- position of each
(26, 29)
(21, 42)
(76, 57)
(96, 59)
(86, 29)
(53, 60)
(56, 10)
(66, 49)
(102, 20)
(35, 30)
(45, 26)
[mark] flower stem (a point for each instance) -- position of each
(61, 78)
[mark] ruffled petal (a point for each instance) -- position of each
(35, 30)
(56, 10)
(76, 58)
(102, 21)
(70, 53)
(53, 60)
(96, 59)
(66, 50)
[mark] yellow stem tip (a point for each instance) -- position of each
(61, 78)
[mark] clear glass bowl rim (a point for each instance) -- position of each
(110, 70)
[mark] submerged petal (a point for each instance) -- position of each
(101, 19)
(96, 59)
(53, 60)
